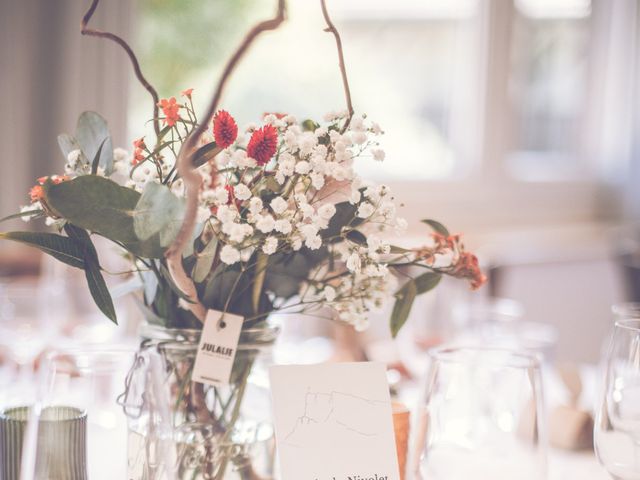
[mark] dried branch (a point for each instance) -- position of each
(192, 180)
(331, 28)
(134, 60)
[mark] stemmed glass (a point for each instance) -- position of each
(482, 417)
(87, 381)
(617, 427)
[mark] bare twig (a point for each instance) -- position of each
(331, 28)
(134, 60)
(192, 181)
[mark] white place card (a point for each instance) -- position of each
(217, 349)
(334, 422)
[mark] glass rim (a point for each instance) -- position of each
(626, 324)
(512, 358)
(78, 414)
(626, 309)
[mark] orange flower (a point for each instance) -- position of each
(138, 153)
(170, 108)
(187, 93)
(36, 193)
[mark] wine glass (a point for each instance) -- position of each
(481, 417)
(86, 382)
(617, 427)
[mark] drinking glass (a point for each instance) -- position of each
(88, 380)
(617, 427)
(481, 417)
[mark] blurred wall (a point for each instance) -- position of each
(49, 74)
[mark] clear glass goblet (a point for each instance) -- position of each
(482, 417)
(617, 426)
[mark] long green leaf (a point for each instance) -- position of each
(27, 213)
(427, 281)
(62, 248)
(437, 226)
(401, 309)
(102, 206)
(205, 153)
(97, 286)
(96, 160)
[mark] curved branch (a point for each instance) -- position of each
(125, 46)
(192, 180)
(331, 28)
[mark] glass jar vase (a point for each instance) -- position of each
(180, 429)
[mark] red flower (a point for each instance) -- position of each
(187, 93)
(263, 144)
(170, 109)
(225, 129)
(138, 153)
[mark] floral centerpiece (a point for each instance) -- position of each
(271, 217)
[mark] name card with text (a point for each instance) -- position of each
(217, 348)
(334, 422)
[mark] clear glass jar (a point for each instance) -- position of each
(179, 429)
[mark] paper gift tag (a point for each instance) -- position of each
(217, 349)
(334, 422)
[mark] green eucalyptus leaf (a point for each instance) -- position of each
(310, 126)
(91, 132)
(102, 206)
(62, 248)
(437, 227)
(27, 213)
(345, 215)
(67, 144)
(398, 250)
(158, 211)
(96, 160)
(205, 153)
(357, 237)
(402, 307)
(97, 286)
(427, 281)
(204, 261)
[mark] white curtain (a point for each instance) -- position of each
(49, 74)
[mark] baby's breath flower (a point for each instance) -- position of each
(229, 255)
(270, 245)
(278, 205)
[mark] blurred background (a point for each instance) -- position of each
(514, 121)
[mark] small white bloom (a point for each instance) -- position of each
(314, 242)
(365, 210)
(120, 155)
(296, 244)
(289, 119)
(278, 205)
(220, 196)
(291, 140)
(255, 205)
(307, 210)
(242, 160)
(317, 180)
(270, 119)
(303, 168)
(378, 154)
(355, 196)
(375, 128)
(283, 226)
(226, 214)
(74, 157)
(401, 225)
(306, 142)
(359, 138)
(357, 124)
(329, 293)
(202, 214)
(239, 231)
(265, 223)
(354, 263)
(270, 245)
(242, 192)
(229, 255)
(327, 211)
(320, 131)
(308, 230)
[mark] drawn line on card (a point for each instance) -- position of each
(307, 419)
